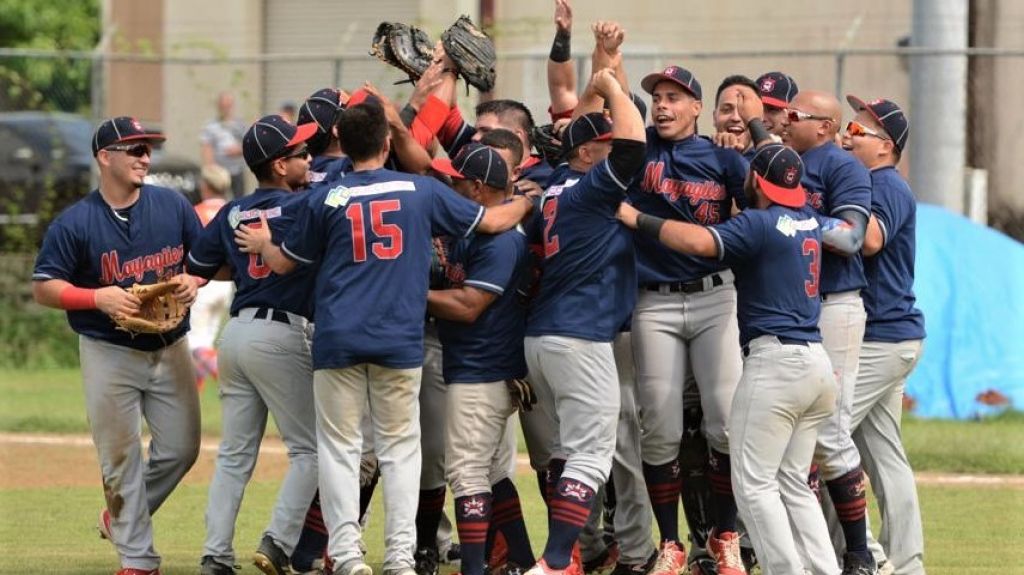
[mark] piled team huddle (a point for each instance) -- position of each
(726, 320)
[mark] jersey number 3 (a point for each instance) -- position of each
(810, 248)
(390, 246)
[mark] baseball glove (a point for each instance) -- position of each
(521, 394)
(405, 47)
(473, 53)
(547, 143)
(160, 311)
(438, 265)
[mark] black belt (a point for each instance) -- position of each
(695, 286)
(782, 340)
(275, 315)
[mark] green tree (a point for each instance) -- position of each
(47, 84)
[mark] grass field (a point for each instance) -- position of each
(46, 525)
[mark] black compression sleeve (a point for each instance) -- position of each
(561, 47)
(626, 157)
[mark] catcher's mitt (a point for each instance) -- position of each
(405, 47)
(160, 311)
(473, 53)
(547, 143)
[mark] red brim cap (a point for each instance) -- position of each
(602, 138)
(303, 132)
(789, 197)
(652, 80)
(444, 165)
(774, 102)
(155, 136)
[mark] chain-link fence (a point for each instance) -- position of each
(178, 93)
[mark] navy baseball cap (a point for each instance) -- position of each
(592, 127)
(321, 109)
(777, 89)
(778, 170)
(680, 76)
(121, 129)
(889, 115)
(270, 136)
(475, 161)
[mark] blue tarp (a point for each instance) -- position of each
(969, 281)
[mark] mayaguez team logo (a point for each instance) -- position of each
(790, 176)
(576, 490)
(473, 507)
(137, 126)
(768, 84)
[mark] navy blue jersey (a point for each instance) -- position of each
(691, 180)
(588, 284)
(537, 170)
(491, 348)
(889, 296)
(256, 285)
(327, 168)
(835, 182)
(91, 246)
(371, 233)
(776, 256)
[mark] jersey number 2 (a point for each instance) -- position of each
(391, 235)
(550, 241)
(810, 248)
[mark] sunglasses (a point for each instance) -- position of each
(300, 152)
(798, 116)
(858, 129)
(133, 150)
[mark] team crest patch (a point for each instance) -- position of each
(577, 491)
(768, 84)
(234, 217)
(337, 196)
(789, 227)
(137, 126)
(473, 507)
(790, 176)
(237, 216)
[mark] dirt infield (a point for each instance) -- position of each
(35, 460)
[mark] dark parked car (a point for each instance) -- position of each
(46, 164)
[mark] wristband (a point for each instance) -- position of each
(561, 47)
(758, 133)
(650, 225)
(76, 298)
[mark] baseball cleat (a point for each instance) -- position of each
(270, 559)
(103, 526)
(452, 555)
(604, 562)
(886, 568)
(210, 567)
(854, 565)
(427, 561)
(703, 565)
(637, 568)
(541, 568)
(726, 551)
(671, 560)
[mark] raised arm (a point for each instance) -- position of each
(561, 68)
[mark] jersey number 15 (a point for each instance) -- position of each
(390, 245)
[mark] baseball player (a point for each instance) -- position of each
(372, 229)
(894, 330)
(839, 186)
(212, 302)
(123, 233)
(777, 91)
(321, 109)
(586, 293)
(685, 319)
(481, 319)
(787, 388)
(264, 353)
(730, 131)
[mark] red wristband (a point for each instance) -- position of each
(76, 298)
